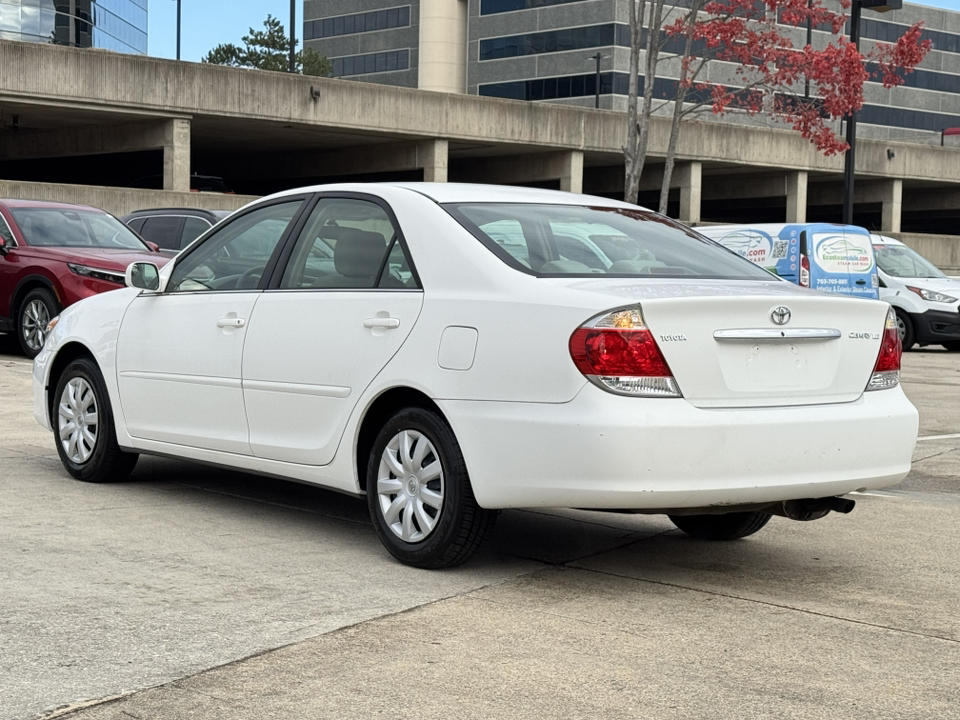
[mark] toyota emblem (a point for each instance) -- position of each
(780, 315)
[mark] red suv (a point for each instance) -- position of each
(54, 254)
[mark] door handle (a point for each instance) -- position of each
(382, 322)
(231, 322)
(861, 282)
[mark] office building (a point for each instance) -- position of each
(118, 25)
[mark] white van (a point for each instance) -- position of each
(926, 301)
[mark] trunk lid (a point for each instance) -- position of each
(726, 349)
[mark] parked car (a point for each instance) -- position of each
(53, 254)
(823, 256)
(926, 301)
(454, 359)
(172, 229)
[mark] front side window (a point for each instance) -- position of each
(235, 257)
(347, 244)
(67, 227)
(559, 240)
(901, 261)
(5, 232)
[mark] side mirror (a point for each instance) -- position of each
(153, 246)
(143, 275)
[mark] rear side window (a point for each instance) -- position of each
(164, 230)
(562, 240)
(192, 229)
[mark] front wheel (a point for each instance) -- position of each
(730, 526)
(83, 421)
(419, 493)
(37, 309)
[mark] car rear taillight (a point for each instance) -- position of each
(804, 271)
(617, 352)
(886, 372)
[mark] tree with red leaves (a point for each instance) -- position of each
(805, 88)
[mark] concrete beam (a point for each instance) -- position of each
(85, 140)
(429, 155)
(566, 167)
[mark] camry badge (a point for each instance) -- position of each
(780, 315)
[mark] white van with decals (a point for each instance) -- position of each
(823, 256)
(926, 301)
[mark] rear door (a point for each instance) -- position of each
(842, 261)
(345, 301)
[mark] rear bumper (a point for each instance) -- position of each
(935, 326)
(607, 451)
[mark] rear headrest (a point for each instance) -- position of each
(358, 253)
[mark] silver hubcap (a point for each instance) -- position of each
(901, 328)
(78, 420)
(36, 317)
(410, 486)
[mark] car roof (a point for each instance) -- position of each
(21, 203)
(883, 240)
(200, 212)
(472, 193)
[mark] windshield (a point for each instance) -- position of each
(901, 261)
(68, 227)
(563, 240)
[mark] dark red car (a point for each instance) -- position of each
(54, 254)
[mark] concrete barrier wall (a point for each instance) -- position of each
(119, 201)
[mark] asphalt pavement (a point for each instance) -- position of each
(194, 592)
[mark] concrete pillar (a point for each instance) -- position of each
(571, 171)
(176, 155)
(432, 157)
(892, 199)
(689, 177)
(797, 197)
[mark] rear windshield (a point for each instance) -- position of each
(565, 240)
(66, 227)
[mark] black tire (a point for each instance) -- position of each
(731, 526)
(459, 524)
(102, 460)
(37, 308)
(905, 325)
(952, 345)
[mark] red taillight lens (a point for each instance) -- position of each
(618, 353)
(886, 371)
(804, 271)
(611, 351)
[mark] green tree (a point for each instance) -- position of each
(269, 49)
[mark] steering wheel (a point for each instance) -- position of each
(243, 282)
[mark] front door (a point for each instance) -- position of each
(346, 302)
(180, 351)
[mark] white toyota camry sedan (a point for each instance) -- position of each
(450, 350)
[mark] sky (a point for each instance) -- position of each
(207, 23)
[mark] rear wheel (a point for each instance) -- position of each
(419, 493)
(731, 526)
(83, 422)
(37, 309)
(905, 328)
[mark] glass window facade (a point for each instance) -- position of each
(357, 23)
(576, 38)
(119, 25)
(491, 7)
(371, 63)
